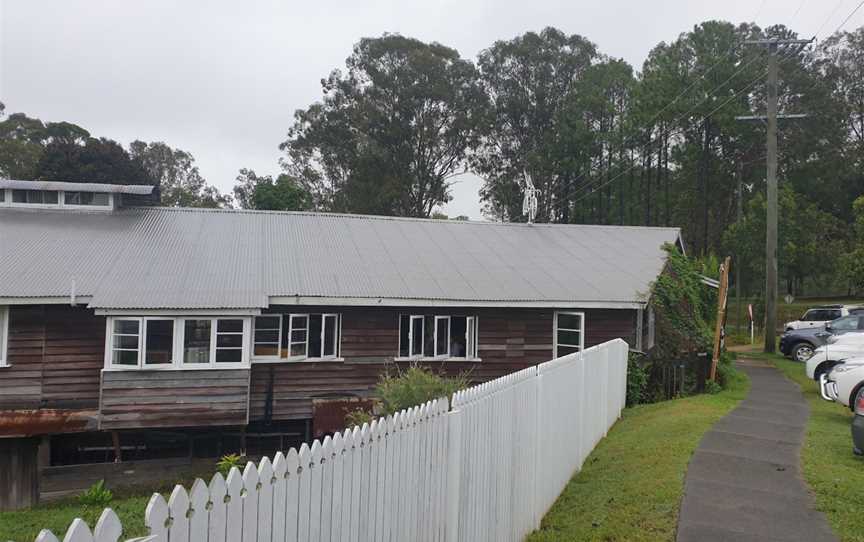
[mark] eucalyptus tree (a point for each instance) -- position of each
(390, 131)
(529, 80)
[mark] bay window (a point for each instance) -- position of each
(177, 343)
(437, 336)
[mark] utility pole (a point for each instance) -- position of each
(738, 253)
(771, 219)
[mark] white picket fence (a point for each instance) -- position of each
(486, 468)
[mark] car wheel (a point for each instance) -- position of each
(801, 352)
(853, 397)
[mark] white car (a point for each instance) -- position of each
(844, 382)
(839, 348)
(818, 317)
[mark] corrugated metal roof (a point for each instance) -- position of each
(160, 257)
(140, 189)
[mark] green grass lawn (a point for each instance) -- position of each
(834, 474)
(129, 504)
(631, 485)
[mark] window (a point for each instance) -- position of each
(126, 342)
(86, 198)
(4, 334)
(32, 197)
(437, 336)
(313, 336)
(196, 341)
(176, 343)
(569, 333)
(159, 341)
(267, 336)
(229, 341)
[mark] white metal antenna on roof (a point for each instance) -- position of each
(529, 203)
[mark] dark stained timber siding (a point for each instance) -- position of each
(509, 340)
(174, 398)
(55, 355)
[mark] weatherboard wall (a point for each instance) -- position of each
(508, 340)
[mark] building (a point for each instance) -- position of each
(146, 332)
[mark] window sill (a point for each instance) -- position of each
(274, 361)
(172, 368)
(468, 360)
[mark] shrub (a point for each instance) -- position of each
(358, 417)
(416, 386)
(227, 461)
(637, 380)
(96, 495)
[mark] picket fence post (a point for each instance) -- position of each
(453, 466)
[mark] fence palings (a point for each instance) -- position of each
(485, 468)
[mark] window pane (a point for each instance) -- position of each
(267, 336)
(429, 336)
(568, 337)
(315, 336)
(72, 198)
(404, 328)
(126, 341)
(442, 337)
(569, 321)
(126, 326)
(298, 336)
(471, 342)
(159, 341)
(329, 347)
(564, 350)
(49, 197)
(266, 349)
(125, 357)
(457, 336)
(229, 356)
(196, 341)
(98, 198)
(298, 349)
(229, 326)
(266, 322)
(2, 194)
(417, 336)
(224, 340)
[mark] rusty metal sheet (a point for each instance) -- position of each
(28, 423)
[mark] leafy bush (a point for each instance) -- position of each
(712, 387)
(358, 417)
(96, 495)
(637, 380)
(227, 461)
(416, 386)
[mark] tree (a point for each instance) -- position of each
(174, 171)
(23, 141)
(529, 80)
(94, 160)
(263, 193)
(390, 131)
(851, 262)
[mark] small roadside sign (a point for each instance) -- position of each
(788, 299)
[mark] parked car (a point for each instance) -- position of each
(838, 346)
(819, 316)
(858, 424)
(800, 344)
(844, 382)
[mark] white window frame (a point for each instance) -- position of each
(435, 338)
(61, 200)
(581, 331)
(142, 345)
(472, 348)
(4, 336)
(291, 317)
(336, 335)
(177, 357)
(279, 339)
(292, 342)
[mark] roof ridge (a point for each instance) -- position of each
(357, 216)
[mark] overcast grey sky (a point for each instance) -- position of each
(222, 79)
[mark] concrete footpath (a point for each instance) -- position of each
(744, 481)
